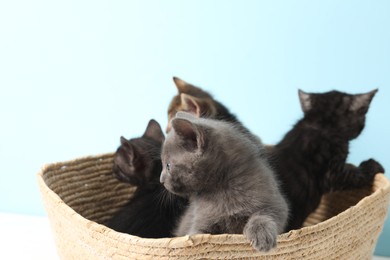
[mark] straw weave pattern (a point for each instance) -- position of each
(80, 195)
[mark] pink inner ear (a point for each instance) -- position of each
(362, 100)
(304, 98)
(190, 105)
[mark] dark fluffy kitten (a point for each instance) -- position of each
(311, 158)
(137, 161)
(230, 188)
(152, 212)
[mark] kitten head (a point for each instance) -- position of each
(336, 111)
(137, 161)
(187, 155)
(193, 100)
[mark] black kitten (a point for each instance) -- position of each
(311, 159)
(137, 161)
(152, 212)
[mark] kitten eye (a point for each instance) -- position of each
(168, 168)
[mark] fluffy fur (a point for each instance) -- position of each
(200, 103)
(137, 161)
(311, 158)
(230, 188)
(153, 211)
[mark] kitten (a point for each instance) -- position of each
(137, 161)
(230, 188)
(194, 100)
(200, 103)
(311, 158)
(301, 189)
(152, 212)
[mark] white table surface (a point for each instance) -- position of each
(30, 237)
(26, 237)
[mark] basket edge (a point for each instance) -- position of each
(185, 241)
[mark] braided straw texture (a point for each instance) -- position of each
(80, 195)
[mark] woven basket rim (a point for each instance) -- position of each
(178, 242)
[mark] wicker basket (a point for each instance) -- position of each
(80, 194)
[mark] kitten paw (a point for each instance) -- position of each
(371, 167)
(261, 232)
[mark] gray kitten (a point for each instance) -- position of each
(230, 188)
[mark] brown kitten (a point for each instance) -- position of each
(200, 103)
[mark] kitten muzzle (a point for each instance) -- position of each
(162, 178)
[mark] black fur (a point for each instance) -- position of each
(152, 212)
(311, 159)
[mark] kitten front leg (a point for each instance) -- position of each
(185, 224)
(350, 176)
(198, 222)
(262, 231)
(371, 166)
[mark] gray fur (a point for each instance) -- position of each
(230, 188)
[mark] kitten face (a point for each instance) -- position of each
(184, 158)
(337, 111)
(137, 161)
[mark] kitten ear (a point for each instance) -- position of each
(305, 100)
(181, 85)
(128, 148)
(123, 140)
(362, 100)
(191, 104)
(190, 134)
(153, 131)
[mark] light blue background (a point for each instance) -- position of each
(75, 75)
